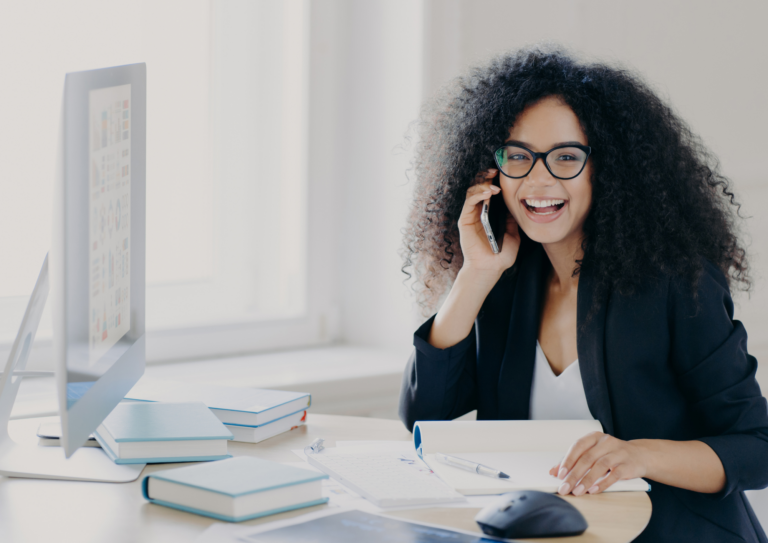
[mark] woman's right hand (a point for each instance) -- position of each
(475, 247)
(480, 271)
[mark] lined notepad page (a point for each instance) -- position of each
(526, 470)
(523, 449)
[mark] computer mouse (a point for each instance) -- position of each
(529, 513)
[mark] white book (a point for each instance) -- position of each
(523, 449)
(255, 434)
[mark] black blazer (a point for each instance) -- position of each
(656, 365)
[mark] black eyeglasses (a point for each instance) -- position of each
(563, 161)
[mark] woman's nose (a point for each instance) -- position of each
(540, 175)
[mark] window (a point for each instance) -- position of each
(227, 166)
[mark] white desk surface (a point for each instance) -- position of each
(38, 511)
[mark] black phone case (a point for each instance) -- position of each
(497, 215)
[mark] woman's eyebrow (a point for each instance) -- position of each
(530, 146)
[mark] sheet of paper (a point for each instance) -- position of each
(367, 446)
(401, 449)
(338, 495)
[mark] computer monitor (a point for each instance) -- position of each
(97, 275)
(98, 252)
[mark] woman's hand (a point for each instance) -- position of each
(596, 461)
(475, 247)
(479, 272)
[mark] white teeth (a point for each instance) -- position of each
(544, 203)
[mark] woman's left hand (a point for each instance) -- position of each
(596, 461)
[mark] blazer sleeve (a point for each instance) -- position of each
(438, 384)
(717, 377)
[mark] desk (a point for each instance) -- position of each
(33, 510)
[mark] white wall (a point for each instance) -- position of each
(366, 88)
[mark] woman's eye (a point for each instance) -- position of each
(516, 157)
(566, 158)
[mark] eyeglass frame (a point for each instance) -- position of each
(586, 148)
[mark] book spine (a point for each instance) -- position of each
(145, 487)
(169, 460)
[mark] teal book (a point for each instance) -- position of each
(147, 433)
(236, 489)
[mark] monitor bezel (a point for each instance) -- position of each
(70, 251)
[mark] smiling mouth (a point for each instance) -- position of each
(544, 207)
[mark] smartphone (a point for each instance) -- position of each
(494, 219)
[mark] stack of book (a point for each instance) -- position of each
(251, 414)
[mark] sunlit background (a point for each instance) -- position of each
(277, 174)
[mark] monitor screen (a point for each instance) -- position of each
(110, 232)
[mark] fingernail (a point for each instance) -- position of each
(486, 192)
(564, 488)
(592, 489)
(494, 187)
(562, 473)
(579, 490)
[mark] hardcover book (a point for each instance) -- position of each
(256, 434)
(232, 405)
(236, 489)
(143, 433)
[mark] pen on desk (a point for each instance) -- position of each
(470, 466)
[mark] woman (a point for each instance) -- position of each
(609, 298)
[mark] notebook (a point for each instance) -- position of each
(255, 434)
(523, 449)
(236, 489)
(144, 433)
(232, 405)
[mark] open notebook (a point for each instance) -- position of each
(523, 449)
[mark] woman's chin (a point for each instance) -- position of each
(544, 234)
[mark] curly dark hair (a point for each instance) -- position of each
(659, 202)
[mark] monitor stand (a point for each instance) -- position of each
(18, 460)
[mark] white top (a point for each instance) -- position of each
(557, 397)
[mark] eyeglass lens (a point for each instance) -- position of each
(565, 162)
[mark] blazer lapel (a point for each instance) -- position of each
(591, 347)
(516, 375)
